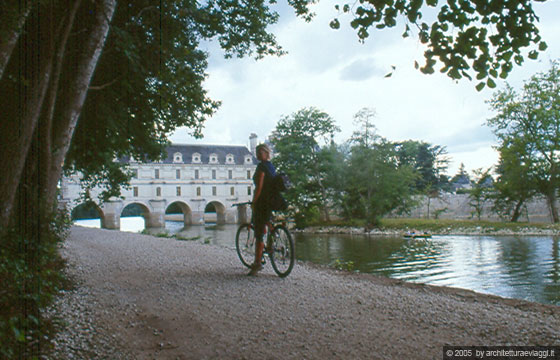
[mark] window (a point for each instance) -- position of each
(196, 158)
(230, 174)
(135, 191)
(177, 174)
(156, 174)
(213, 174)
(196, 174)
(249, 174)
(135, 173)
(213, 159)
(248, 190)
(229, 159)
(198, 191)
(178, 191)
(158, 191)
(214, 191)
(232, 191)
(248, 159)
(177, 157)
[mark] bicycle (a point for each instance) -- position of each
(279, 246)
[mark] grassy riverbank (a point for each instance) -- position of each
(444, 226)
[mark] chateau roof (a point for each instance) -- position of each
(239, 153)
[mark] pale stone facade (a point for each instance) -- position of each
(192, 177)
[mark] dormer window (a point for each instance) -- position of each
(196, 158)
(177, 157)
(248, 159)
(229, 159)
(213, 159)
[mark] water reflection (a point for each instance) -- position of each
(516, 267)
(526, 267)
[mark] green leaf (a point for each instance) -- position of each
(491, 84)
(533, 54)
(335, 24)
(406, 32)
(543, 46)
(480, 86)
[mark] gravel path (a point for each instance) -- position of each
(142, 297)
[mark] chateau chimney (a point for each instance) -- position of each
(253, 143)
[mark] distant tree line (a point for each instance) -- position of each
(368, 177)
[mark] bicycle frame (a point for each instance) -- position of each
(281, 256)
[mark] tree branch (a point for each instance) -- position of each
(101, 87)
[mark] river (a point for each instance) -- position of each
(521, 267)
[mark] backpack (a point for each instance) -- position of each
(280, 183)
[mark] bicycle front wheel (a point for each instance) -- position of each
(245, 244)
(282, 251)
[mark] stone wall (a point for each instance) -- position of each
(456, 206)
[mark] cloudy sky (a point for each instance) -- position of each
(332, 71)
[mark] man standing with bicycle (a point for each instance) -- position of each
(261, 208)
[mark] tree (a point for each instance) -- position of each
(482, 37)
(150, 82)
(376, 185)
(514, 186)
(461, 179)
(333, 165)
(480, 191)
(533, 116)
(52, 87)
(58, 109)
(428, 161)
(296, 140)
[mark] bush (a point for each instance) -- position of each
(30, 277)
(306, 217)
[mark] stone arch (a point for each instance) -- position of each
(184, 209)
(86, 210)
(135, 208)
(89, 212)
(217, 208)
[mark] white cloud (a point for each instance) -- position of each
(332, 71)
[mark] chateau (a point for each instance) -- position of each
(196, 179)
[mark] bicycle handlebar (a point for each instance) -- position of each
(243, 203)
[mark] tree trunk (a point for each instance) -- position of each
(20, 103)
(47, 118)
(52, 137)
(14, 15)
(71, 100)
(517, 211)
(551, 198)
(324, 201)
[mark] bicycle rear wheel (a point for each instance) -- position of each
(245, 244)
(282, 251)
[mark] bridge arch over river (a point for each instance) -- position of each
(156, 211)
